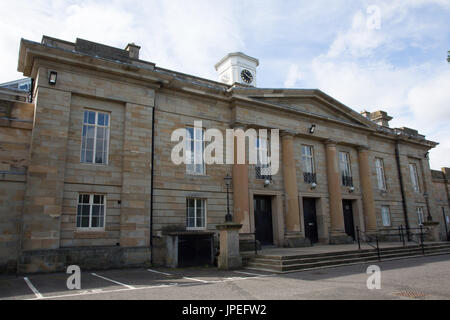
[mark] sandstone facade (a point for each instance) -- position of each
(42, 176)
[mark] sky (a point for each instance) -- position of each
(369, 55)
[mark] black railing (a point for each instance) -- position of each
(309, 177)
(255, 242)
(371, 240)
(416, 235)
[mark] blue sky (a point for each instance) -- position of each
(398, 65)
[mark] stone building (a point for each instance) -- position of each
(87, 177)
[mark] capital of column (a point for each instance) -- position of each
(287, 133)
(330, 142)
(238, 125)
(363, 148)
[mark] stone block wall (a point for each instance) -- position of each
(16, 122)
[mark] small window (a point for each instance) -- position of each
(95, 137)
(385, 216)
(419, 211)
(196, 213)
(381, 178)
(309, 175)
(346, 172)
(91, 211)
(262, 154)
(414, 177)
(194, 150)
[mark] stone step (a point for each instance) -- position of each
(343, 253)
(270, 266)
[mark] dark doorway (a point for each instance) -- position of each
(195, 250)
(310, 219)
(348, 218)
(263, 219)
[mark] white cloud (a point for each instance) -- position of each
(293, 76)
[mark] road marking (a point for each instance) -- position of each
(114, 281)
(91, 292)
(194, 279)
(252, 274)
(130, 288)
(33, 288)
(166, 274)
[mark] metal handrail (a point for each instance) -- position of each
(400, 232)
(368, 240)
(254, 241)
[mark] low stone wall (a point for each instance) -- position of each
(92, 258)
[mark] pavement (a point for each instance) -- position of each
(420, 278)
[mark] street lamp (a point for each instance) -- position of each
(228, 217)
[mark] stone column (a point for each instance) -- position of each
(334, 193)
(290, 187)
(367, 191)
(241, 206)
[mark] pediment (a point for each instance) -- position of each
(314, 103)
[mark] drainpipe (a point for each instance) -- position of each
(151, 185)
(402, 189)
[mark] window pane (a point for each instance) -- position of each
(385, 216)
(98, 199)
(91, 117)
(101, 119)
(84, 222)
(106, 119)
(85, 116)
(95, 222)
(89, 156)
(100, 133)
(85, 198)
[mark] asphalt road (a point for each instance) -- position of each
(416, 278)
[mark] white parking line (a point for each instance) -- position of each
(114, 281)
(33, 288)
(166, 274)
(194, 279)
(100, 291)
(252, 274)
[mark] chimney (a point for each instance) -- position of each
(380, 117)
(133, 50)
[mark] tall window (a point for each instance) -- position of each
(381, 178)
(419, 211)
(194, 150)
(385, 216)
(346, 172)
(196, 213)
(91, 211)
(262, 154)
(309, 174)
(414, 177)
(95, 137)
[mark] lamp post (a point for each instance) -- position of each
(228, 217)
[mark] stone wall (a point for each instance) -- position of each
(15, 135)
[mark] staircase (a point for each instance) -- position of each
(290, 263)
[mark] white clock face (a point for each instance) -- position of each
(246, 76)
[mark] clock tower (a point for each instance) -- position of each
(237, 68)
